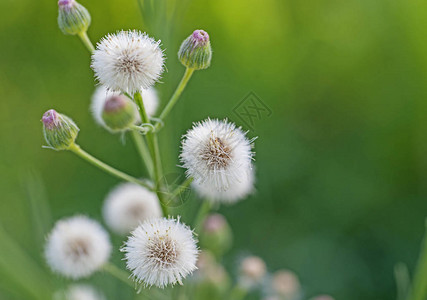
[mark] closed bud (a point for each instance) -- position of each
(118, 113)
(252, 271)
(211, 271)
(286, 284)
(73, 18)
(216, 235)
(212, 279)
(196, 52)
(59, 131)
(322, 297)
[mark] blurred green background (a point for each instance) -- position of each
(341, 162)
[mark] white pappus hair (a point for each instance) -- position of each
(128, 61)
(77, 247)
(127, 205)
(218, 155)
(160, 252)
(101, 94)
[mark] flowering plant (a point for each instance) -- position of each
(160, 250)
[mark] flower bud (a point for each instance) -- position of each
(59, 131)
(118, 113)
(216, 234)
(205, 261)
(252, 271)
(286, 284)
(73, 18)
(196, 52)
(211, 277)
(322, 297)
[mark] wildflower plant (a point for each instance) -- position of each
(159, 250)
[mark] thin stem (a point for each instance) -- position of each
(181, 188)
(142, 112)
(118, 273)
(103, 166)
(161, 190)
(174, 99)
(157, 162)
(143, 151)
(419, 286)
(155, 153)
(86, 41)
(204, 209)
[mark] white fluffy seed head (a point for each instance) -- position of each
(77, 247)
(160, 252)
(129, 204)
(101, 94)
(128, 61)
(219, 158)
(79, 292)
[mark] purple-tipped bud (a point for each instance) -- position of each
(114, 104)
(59, 131)
(119, 113)
(216, 234)
(73, 18)
(50, 119)
(200, 37)
(196, 52)
(66, 3)
(214, 223)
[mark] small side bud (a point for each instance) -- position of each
(59, 131)
(252, 271)
(196, 52)
(212, 279)
(73, 18)
(216, 234)
(286, 284)
(118, 113)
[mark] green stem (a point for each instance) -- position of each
(86, 41)
(143, 151)
(103, 166)
(118, 273)
(158, 164)
(419, 286)
(181, 188)
(142, 112)
(155, 153)
(204, 209)
(174, 99)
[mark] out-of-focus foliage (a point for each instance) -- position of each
(341, 161)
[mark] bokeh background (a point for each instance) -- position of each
(341, 161)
